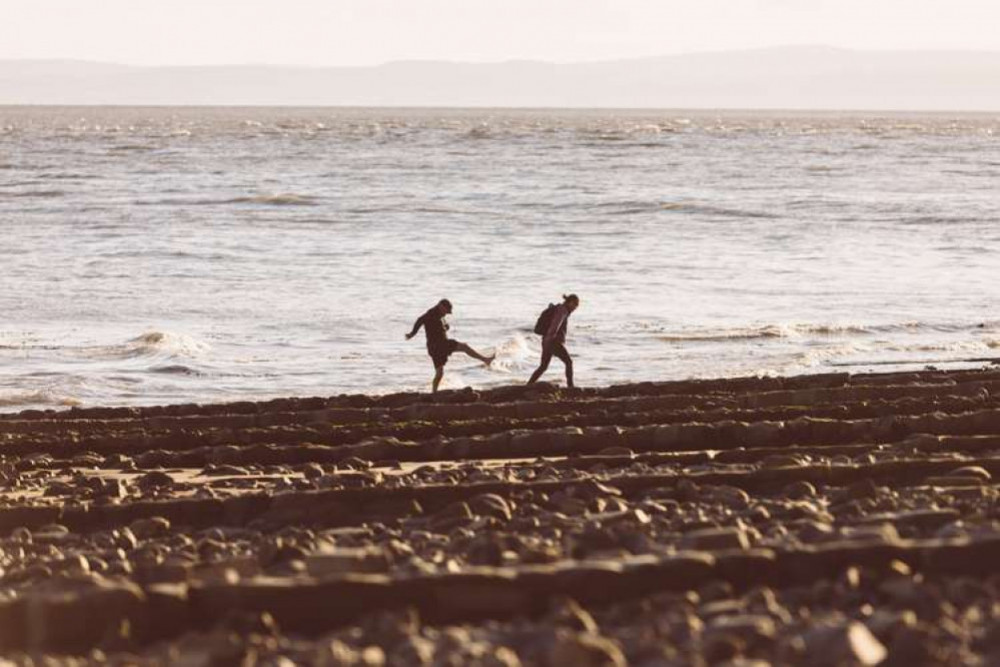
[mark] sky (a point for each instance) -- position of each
(369, 32)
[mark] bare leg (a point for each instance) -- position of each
(462, 347)
(438, 374)
(543, 366)
(563, 354)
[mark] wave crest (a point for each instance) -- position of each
(768, 331)
(39, 397)
(158, 345)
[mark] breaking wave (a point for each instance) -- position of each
(39, 397)
(808, 329)
(152, 344)
(774, 331)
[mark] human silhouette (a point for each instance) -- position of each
(552, 327)
(439, 346)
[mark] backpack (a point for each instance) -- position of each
(544, 320)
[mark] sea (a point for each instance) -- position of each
(177, 255)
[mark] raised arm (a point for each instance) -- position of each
(416, 326)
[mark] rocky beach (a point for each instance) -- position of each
(834, 519)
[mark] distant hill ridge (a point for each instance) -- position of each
(803, 77)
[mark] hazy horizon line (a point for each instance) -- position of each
(512, 60)
(596, 110)
(790, 78)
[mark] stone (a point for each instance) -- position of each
(800, 490)
(753, 630)
(927, 519)
(813, 532)
(490, 504)
(76, 620)
(458, 510)
(781, 461)
(113, 488)
(53, 532)
(329, 560)
(884, 533)
(150, 527)
(501, 656)
(312, 471)
(955, 481)
(861, 490)
(636, 517)
(154, 480)
(842, 643)
(972, 471)
(584, 650)
(413, 650)
(730, 496)
(336, 653)
(915, 645)
(715, 539)
(886, 623)
(566, 612)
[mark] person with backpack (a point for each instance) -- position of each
(551, 326)
(439, 346)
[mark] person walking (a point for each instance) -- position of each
(552, 327)
(439, 346)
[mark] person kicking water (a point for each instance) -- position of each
(551, 326)
(439, 346)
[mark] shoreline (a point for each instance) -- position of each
(514, 391)
(578, 521)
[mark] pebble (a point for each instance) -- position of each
(50, 532)
(155, 479)
(884, 533)
(861, 490)
(583, 649)
(800, 490)
(814, 532)
(841, 644)
(490, 504)
(972, 471)
(150, 527)
(781, 461)
(731, 496)
(752, 629)
(715, 539)
(566, 612)
(328, 561)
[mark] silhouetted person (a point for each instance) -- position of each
(439, 346)
(554, 337)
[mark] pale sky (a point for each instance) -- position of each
(367, 32)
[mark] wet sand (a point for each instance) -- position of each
(825, 519)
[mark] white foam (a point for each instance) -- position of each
(152, 344)
(36, 397)
(512, 355)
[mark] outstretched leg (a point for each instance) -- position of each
(543, 366)
(462, 347)
(562, 353)
(438, 374)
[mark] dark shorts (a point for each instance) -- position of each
(441, 351)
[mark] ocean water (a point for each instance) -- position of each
(176, 255)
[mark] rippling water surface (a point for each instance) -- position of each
(173, 255)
